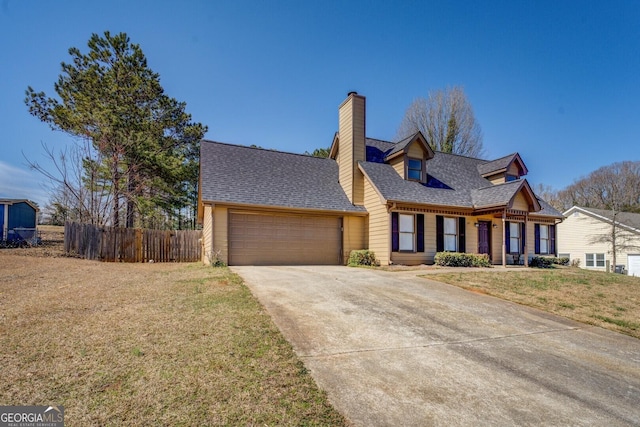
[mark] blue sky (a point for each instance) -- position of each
(556, 81)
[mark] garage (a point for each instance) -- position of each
(257, 238)
(633, 262)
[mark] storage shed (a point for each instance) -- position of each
(18, 219)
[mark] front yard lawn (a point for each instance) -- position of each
(147, 344)
(608, 300)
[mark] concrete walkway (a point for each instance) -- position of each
(393, 349)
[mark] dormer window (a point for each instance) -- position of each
(414, 169)
(510, 178)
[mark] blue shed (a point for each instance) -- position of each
(18, 219)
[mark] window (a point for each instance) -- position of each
(510, 178)
(450, 235)
(414, 169)
(407, 232)
(514, 237)
(544, 239)
(406, 229)
(595, 260)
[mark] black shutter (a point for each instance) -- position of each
(507, 236)
(536, 229)
(395, 232)
(439, 233)
(462, 247)
(420, 232)
(552, 239)
(523, 236)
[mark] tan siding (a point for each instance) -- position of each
(398, 165)
(379, 232)
(574, 236)
(207, 234)
(220, 233)
(416, 151)
(520, 202)
(352, 147)
(354, 235)
(497, 179)
(513, 169)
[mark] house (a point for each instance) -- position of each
(587, 235)
(401, 200)
(18, 219)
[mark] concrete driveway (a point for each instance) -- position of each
(393, 349)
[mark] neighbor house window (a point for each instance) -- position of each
(595, 260)
(514, 237)
(450, 235)
(407, 232)
(414, 169)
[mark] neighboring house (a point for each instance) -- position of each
(586, 236)
(18, 219)
(401, 200)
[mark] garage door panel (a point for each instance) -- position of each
(633, 263)
(264, 239)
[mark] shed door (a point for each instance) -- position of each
(633, 261)
(269, 239)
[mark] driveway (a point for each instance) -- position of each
(394, 349)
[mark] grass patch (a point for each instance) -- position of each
(147, 344)
(608, 300)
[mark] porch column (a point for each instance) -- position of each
(526, 242)
(504, 238)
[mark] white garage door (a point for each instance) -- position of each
(633, 261)
(270, 239)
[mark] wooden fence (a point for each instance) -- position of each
(131, 245)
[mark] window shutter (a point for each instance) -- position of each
(552, 239)
(395, 234)
(461, 238)
(523, 237)
(536, 229)
(439, 233)
(507, 236)
(420, 232)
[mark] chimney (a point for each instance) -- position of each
(351, 146)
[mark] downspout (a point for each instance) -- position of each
(504, 238)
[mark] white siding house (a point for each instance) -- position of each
(580, 238)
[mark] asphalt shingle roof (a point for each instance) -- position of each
(629, 219)
(246, 175)
(495, 165)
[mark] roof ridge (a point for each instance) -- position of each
(270, 150)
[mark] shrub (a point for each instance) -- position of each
(363, 257)
(541, 262)
(547, 262)
(575, 263)
(215, 259)
(457, 259)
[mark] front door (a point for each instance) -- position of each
(484, 237)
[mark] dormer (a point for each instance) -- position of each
(409, 158)
(506, 169)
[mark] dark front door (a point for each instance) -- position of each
(484, 237)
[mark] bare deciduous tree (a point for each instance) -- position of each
(446, 120)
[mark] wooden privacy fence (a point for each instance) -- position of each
(132, 245)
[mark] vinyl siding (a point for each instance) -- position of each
(416, 151)
(398, 165)
(354, 235)
(220, 232)
(520, 202)
(574, 236)
(207, 234)
(352, 147)
(497, 179)
(379, 224)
